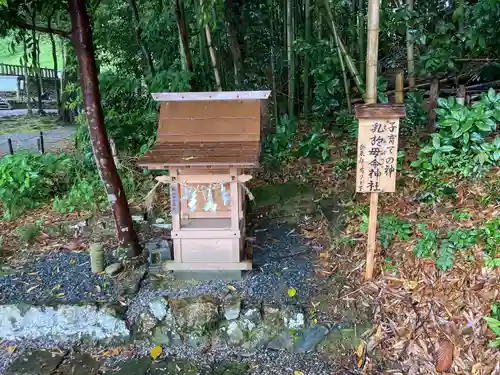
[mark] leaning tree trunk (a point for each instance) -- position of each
(183, 35)
(138, 37)
(54, 58)
(344, 73)
(347, 58)
(291, 64)
(26, 77)
(82, 42)
(410, 55)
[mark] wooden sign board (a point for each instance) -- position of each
(377, 147)
(377, 155)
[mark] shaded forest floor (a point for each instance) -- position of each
(410, 318)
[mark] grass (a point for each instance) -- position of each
(27, 125)
(11, 53)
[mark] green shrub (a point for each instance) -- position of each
(28, 233)
(494, 325)
(462, 143)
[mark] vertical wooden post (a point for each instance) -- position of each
(235, 206)
(371, 98)
(400, 85)
(176, 217)
(11, 149)
(42, 146)
(461, 94)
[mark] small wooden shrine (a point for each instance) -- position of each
(207, 140)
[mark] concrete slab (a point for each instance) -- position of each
(227, 275)
(36, 362)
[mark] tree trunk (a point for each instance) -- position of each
(234, 44)
(82, 42)
(213, 57)
(26, 77)
(291, 65)
(307, 60)
(433, 97)
(273, 63)
(361, 36)
(183, 34)
(36, 69)
(146, 54)
(410, 51)
(54, 58)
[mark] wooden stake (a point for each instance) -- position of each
(372, 236)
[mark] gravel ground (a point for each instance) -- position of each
(282, 260)
(62, 276)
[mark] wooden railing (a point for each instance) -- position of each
(17, 70)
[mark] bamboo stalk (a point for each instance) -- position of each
(371, 98)
(273, 63)
(348, 60)
(291, 65)
(344, 73)
(400, 85)
(213, 58)
(307, 59)
(410, 50)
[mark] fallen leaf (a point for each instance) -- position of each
(410, 284)
(58, 295)
(323, 254)
(32, 288)
(297, 372)
(11, 349)
(292, 292)
(360, 350)
(156, 351)
(231, 288)
(444, 356)
(73, 261)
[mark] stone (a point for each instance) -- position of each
(161, 336)
(79, 364)
(131, 281)
(232, 308)
(173, 366)
(272, 315)
(146, 322)
(199, 313)
(114, 309)
(310, 338)
(113, 269)
(65, 323)
(158, 307)
(294, 319)
(250, 318)
(135, 366)
(234, 333)
(282, 342)
(36, 362)
(198, 340)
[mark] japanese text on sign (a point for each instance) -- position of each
(377, 155)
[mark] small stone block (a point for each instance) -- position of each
(37, 362)
(79, 364)
(227, 275)
(135, 366)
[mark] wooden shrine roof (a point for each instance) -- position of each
(164, 155)
(207, 129)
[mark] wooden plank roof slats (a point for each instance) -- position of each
(210, 96)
